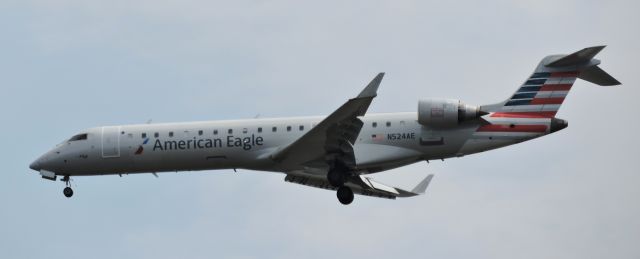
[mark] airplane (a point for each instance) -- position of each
(336, 152)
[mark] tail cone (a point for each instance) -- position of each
(558, 124)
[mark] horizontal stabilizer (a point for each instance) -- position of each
(596, 75)
(577, 58)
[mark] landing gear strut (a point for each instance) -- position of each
(336, 178)
(68, 192)
(338, 174)
(345, 195)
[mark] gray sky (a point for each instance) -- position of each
(70, 65)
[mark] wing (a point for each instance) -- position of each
(361, 185)
(332, 139)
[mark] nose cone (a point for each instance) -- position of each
(35, 165)
(558, 124)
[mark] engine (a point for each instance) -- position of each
(446, 113)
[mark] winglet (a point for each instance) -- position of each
(372, 88)
(422, 186)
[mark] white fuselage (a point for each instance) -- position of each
(385, 141)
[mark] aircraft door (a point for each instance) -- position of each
(111, 141)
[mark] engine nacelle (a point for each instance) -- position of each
(446, 113)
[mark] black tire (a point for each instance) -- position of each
(345, 195)
(68, 192)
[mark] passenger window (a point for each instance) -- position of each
(301, 128)
(288, 128)
(401, 123)
(388, 124)
(144, 135)
(260, 130)
(274, 129)
(200, 132)
(171, 134)
(215, 132)
(230, 131)
(156, 134)
(245, 130)
(82, 136)
(375, 124)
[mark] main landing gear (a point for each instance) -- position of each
(338, 178)
(68, 192)
(345, 195)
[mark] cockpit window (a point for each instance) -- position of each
(82, 136)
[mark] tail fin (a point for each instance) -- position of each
(542, 93)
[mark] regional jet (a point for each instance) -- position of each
(336, 152)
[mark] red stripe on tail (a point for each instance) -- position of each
(547, 100)
(557, 100)
(560, 87)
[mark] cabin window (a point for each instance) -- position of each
(375, 124)
(144, 135)
(288, 128)
(200, 132)
(156, 134)
(245, 130)
(388, 124)
(401, 123)
(82, 136)
(215, 132)
(301, 128)
(260, 130)
(171, 134)
(274, 129)
(130, 135)
(230, 131)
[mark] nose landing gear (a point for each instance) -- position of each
(68, 192)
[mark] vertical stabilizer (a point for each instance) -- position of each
(542, 94)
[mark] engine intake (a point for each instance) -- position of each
(446, 113)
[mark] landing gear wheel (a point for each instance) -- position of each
(345, 195)
(68, 192)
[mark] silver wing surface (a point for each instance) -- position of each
(333, 138)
